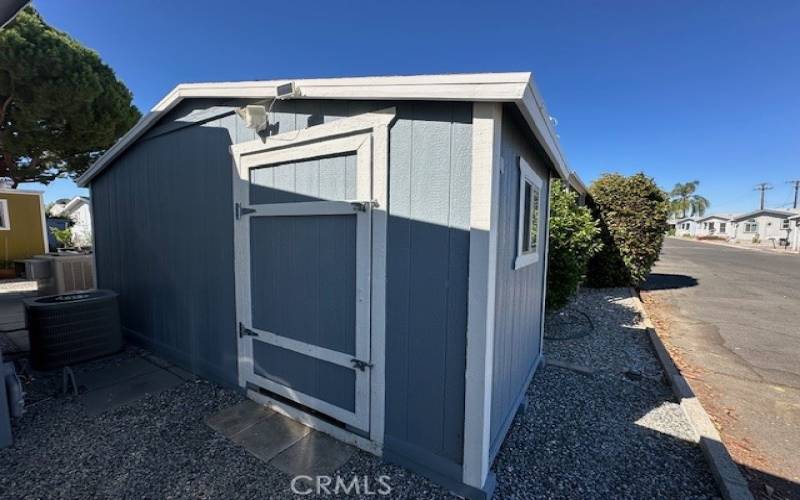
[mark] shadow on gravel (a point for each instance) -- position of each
(615, 432)
(765, 486)
(657, 281)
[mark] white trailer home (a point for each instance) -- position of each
(686, 226)
(765, 226)
(794, 236)
(715, 225)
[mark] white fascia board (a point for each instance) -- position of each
(74, 203)
(517, 88)
(535, 113)
(21, 191)
(577, 183)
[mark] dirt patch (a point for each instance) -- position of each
(662, 316)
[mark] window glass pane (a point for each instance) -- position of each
(526, 221)
(534, 218)
(3, 209)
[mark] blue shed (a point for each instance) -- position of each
(366, 255)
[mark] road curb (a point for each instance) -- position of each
(732, 484)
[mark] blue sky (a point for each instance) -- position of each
(682, 90)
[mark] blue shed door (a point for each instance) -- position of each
(303, 265)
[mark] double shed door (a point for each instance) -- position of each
(303, 245)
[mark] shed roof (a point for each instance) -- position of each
(516, 88)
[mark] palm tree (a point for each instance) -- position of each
(685, 200)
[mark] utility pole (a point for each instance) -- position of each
(763, 187)
(796, 191)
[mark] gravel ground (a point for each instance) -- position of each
(616, 433)
(599, 436)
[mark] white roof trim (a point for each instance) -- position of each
(517, 88)
(74, 203)
(21, 191)
(721, 217)
(768, 211)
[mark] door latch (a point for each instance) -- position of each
(240, 210)
(360, 365)
(246, 332)
(362, 206)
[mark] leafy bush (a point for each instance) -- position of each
(633, 220)
(574, 239)
(63, 236)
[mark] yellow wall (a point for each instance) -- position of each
(26, 236)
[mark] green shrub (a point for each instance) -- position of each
(633, 220)
(574, 239)
(63, 236)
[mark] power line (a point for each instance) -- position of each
(796, 191)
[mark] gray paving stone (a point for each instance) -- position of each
(235, 419)
(20, 339)
(180, 372)
(315, 454)
(131, 389)
(267, 438)
(115, 374)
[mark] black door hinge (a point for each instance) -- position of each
(240, 210)
(360, 365)
(246, 332)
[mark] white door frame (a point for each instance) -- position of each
(367, 135)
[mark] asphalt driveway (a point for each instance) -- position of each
(732, 320)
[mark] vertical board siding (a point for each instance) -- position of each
(519, 292)
(427, 264)
(330, 178)
(311, 376)
(164, 240)
(303, 272)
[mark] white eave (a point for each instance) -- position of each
(74, 204)
(517, 88)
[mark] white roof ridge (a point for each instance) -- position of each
(513, 87)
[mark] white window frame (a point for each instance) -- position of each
(750, 227)
(785, 224)
(6, 221)
(528, 176)
(723, 227)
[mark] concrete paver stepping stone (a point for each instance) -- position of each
(235, 419)
(314, 455)
(131, 389)
(270, 436)
(114, 374)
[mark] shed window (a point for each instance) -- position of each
(530, 201)
(5, 221)
(785, 224)
(751, 226)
